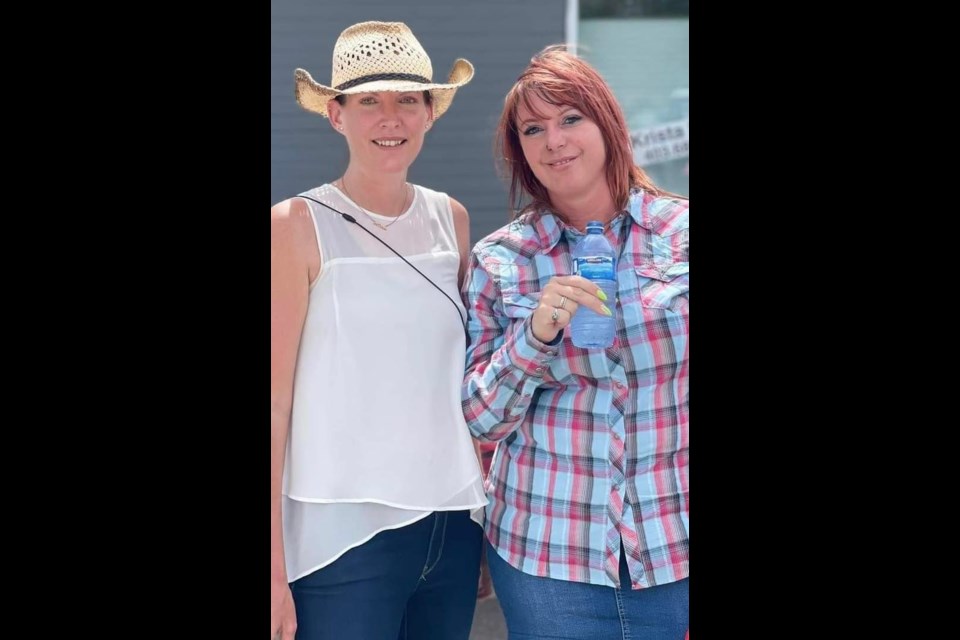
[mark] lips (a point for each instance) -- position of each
(561, 162)
(389, 143)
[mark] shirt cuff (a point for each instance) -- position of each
(530, 355)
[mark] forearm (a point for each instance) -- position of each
(502, 377)
(279, 427)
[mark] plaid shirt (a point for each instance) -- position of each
(593, 443)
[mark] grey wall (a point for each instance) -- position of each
(497, 36)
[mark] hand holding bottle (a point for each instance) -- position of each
(560, 300)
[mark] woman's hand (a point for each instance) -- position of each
(560, 299)
(283, 616)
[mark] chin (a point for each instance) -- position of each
(566, 187)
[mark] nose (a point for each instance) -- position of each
(555, 139)
(389, 112)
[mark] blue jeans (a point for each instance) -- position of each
(418, 582)
(536, 607)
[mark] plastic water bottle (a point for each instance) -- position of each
(594, 259)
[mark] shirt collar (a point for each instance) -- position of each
(549, 227)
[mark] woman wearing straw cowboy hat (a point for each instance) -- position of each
(376, 492)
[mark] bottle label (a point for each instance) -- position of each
(594, 268)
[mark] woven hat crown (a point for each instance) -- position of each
(380, 56)
(378, 49)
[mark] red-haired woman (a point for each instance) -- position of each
(587, 526)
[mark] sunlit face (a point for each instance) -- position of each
(564, 148)
(384, 130)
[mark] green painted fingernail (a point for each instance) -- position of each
(601, 295)
(606, 310)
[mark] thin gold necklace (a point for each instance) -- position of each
(384, 227)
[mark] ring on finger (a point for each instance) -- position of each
(563, 301)
(555, 315)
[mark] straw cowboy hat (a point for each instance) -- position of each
(380, 56)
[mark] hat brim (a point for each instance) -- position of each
(313, 96)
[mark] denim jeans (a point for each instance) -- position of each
(536, 607)
(418, 582)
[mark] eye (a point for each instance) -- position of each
(572, 119)
(411, 99)
(532, 129)
(368, 100)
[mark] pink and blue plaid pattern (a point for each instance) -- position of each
(593, 444)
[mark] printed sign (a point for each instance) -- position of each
(661, 142)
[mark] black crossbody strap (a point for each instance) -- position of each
(349, 218)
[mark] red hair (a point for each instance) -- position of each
(560, 78)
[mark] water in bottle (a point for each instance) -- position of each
(594, 259)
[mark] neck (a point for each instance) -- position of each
(386, 194)
(577, 211)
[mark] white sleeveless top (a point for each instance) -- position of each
(377, 435)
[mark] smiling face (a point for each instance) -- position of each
(574, 115)
(564, 149)
(384, 130)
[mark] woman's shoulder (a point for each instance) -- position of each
(292, 236)
(428, 192)
(291, 211)
(300, 201)
(441, 202)
(665, 215)
(518, 239)
(434, 199)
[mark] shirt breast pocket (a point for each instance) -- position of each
(664, 286)
(655, 308)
